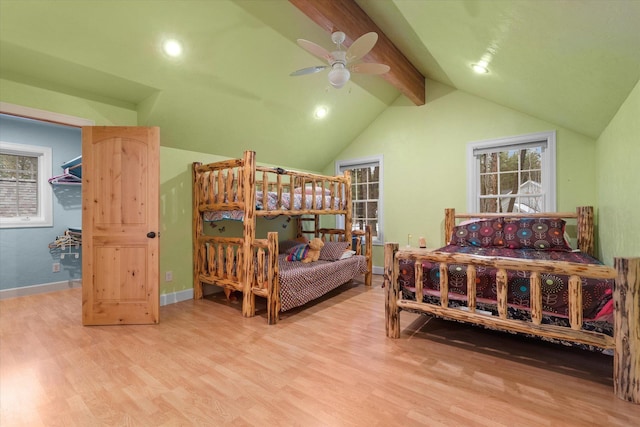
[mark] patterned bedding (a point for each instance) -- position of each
(301, 283)
(597, 293)
(274, 204)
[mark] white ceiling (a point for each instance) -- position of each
(571, 63)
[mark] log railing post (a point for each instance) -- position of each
(575, 302)
(471, 288)
(418, 281)
(535, 287)
(502, 287)
(444, 285)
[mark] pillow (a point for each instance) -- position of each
(482, 233)
(347, 254)
(543, 234)
(332, 251)
(286, 245)
(295, 248)
(298, 253)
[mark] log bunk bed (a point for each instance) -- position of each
(576, 302)
(234, 189)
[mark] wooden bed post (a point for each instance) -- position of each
(249, 230)
(585, 229)
(273, 296)
(626, 300)
(348, 216)
(449, 224)
(197, 230)
(368, 250)
(392, 293)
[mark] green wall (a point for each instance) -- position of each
(424, 159)
(618, 182)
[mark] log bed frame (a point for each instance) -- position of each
(229, 262)
(626, 295)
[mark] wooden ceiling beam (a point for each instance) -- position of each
(348, 17)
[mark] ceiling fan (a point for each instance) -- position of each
(341, 61)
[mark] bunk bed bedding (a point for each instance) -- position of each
(301, 283)
(275, 203)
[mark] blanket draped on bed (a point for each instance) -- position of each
(301, 283)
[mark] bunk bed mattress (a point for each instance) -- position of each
(597, 293)
(301, 283)
(273, 203)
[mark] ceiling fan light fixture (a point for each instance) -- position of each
(343, 62)
(339, 76)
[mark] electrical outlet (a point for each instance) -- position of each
(168, 276)
(56, 267)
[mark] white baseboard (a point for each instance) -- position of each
(178, 296)
(39, 289)
(377, 270)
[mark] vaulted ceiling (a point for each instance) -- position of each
(571, 63)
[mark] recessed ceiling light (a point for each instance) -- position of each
(320, 112)
(172, 48)
(480, 67)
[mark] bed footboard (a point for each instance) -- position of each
(626, 343)
(220, 261)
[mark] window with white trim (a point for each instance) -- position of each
(25, 194)
(513, 174)
(366, 194)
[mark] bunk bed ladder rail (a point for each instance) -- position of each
(264, 280)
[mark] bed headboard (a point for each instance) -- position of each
(583, 216)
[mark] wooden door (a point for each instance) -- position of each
(120, 220)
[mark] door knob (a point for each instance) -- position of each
(151, 234)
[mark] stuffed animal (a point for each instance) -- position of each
(314, 250)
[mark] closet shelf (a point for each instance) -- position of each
(72, 174)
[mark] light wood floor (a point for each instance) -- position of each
(327, 365)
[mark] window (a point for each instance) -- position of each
(514, 174)
(25, 195)
(366, 194)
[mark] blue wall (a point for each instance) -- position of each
(25, 258)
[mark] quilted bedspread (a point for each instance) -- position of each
(301, 283)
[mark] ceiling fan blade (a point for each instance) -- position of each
(362, 46)
(309, 70)
(316, 50)
(369, 68)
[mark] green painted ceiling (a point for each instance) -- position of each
(571, 63)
